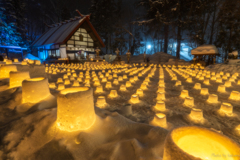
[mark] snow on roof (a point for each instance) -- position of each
(204, 49)
(59, 33)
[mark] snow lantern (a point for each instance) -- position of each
(206, 82)
(189, 80)
(97, 83)
(221, 88)
(113, 94)
(160, 106)
(115, 82)
(184, 94)
(34, 90)
(59, 80)
(16, 78)
(75, 84)
(212, 98)
(122, 88)
(160, 120)
(219, 80)
(6, 69)
(178, 83)
(160, 96)
(120, 78)
(197, 86)
(128, 84)
(235, 95)
(101, 102)
(143, 86)
(139, 92)
(226, 108)
(161, 89)
(99, 89)
(228, 84)
(108, 85)
(204, 91)
(61, 86)
(189, 101)
(67, 82)
(208, 144)
(134, 98)
(75, 109)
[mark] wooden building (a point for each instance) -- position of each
(69, 39)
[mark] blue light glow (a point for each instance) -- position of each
(149, 46)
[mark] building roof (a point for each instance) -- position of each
(205, 50)
(60, 33)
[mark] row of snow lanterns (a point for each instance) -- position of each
(226, 109)
(72, 105)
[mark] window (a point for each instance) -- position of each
(80, 37)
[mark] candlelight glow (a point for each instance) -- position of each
(204, 91)
(189, 102)
(227, 109)
(178, 83)
(139, 92)
(5, 70)
(61, 86)
(134, 98)
(228, 84)
(235, 95)
(16, 78)
(160, 96)
(212, 98)
(160, 120)
(113, 94)
(221, 88)
(184, 94)
(99, 89)
(160, 106)
(197, 86)
(101, 102)
(34, 90)
(208, 145)
(75, 110)
(108, 85)
(122, 88)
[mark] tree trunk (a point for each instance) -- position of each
(178, 42)
(213, 23)
(109, 37)
(166, 31)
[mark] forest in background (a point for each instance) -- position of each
(130, 25)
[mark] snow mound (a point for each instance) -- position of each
(204, 49)
(30, 56)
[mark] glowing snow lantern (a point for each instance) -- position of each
(61, 86)
(219, 80)
(134, 98)
(178, 83)
(101, 102)
(228, 84)
(160, 106)
(24, 63)
(238, 82)
(108, 85)
(34, 90)
(201, 78)
(16, 78)
(189, 79)
(196, 115)
(128, 84)
(52, 85)
(113, 94)
(197, 86)
(160, 96)
(125, 77)
(97, 83)
(99, 89)
(75, 110)
(67, 82)
(235, 95)
(139, 92)
(6, 69)
(161, 89)
(135, 78)
(224, 77)
(226, 108)
(120, 78)
(206, 82)
(212, 98)
(189, 102)
(237, 129)
(174, 78)
(104, 80)
(208, 145)
(160, 120)
(204, 91)
(221, 88)
(122, 88)
(184, 94)
(75, 84)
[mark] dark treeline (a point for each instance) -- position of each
(126, 24)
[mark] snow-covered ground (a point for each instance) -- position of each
(33, 135)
